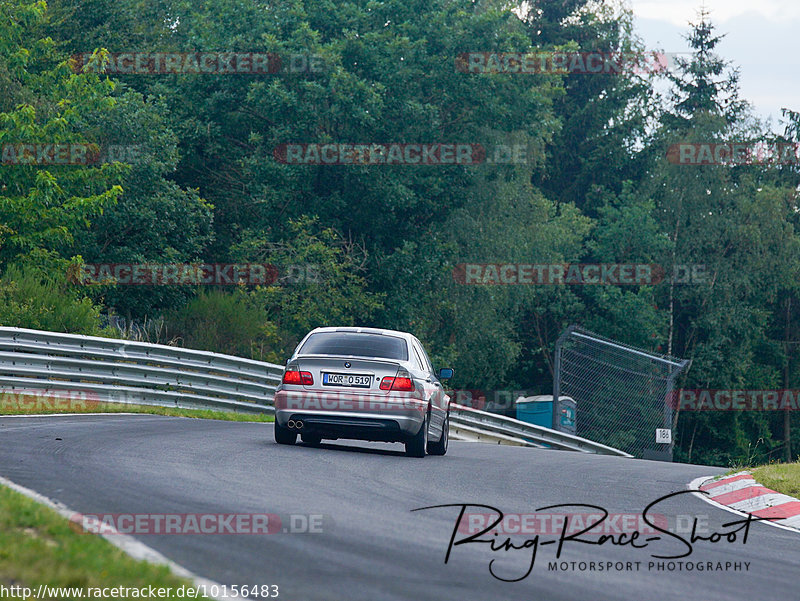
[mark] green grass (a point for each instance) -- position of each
(40, 547)
(14, 408)
(782, 477)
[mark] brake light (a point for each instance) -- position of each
(402, 384)
(292, 376)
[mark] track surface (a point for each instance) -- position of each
(373, 547)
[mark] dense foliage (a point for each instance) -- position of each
(378, 244)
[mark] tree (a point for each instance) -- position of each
(42, 204)
(735, 224)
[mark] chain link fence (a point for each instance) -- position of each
(621, 392)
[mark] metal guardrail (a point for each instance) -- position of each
(122, 371)
(500, 426)
(461, 431)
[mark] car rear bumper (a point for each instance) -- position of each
(351, 415)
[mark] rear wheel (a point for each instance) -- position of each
(440, 447)
(284, 435)
(312, 439)
(415, 446)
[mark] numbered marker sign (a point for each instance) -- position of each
(663, 435)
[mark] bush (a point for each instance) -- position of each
(29, 298)
(224, 322)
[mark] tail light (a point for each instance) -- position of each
(402, 382)
(292, 376)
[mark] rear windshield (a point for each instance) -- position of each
(356, 345)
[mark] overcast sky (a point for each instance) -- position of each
(760, 36)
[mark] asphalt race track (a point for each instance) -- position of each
(372, 546)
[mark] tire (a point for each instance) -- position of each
(415, 446)
(440, 447)
(311, 439)
(284, 435)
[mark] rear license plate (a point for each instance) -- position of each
(356, 381)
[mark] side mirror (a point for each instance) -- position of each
(446, 373)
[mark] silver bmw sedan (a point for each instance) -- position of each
(365, 384)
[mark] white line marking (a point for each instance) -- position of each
(125, 542)
(716, 480)
(73, 414)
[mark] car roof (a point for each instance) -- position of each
(357, 330)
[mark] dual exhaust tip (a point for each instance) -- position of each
(295, 424)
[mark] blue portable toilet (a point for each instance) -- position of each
(538, 410)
